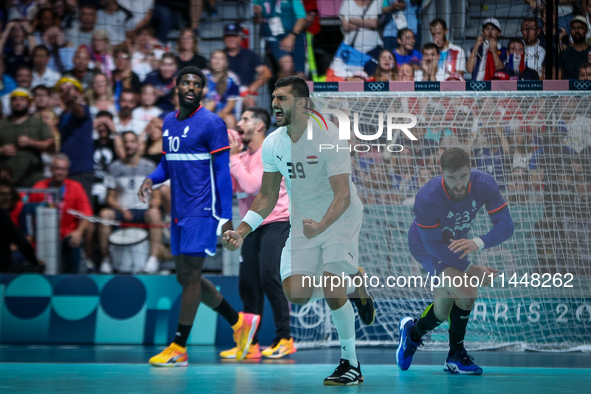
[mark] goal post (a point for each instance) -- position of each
(536, 144)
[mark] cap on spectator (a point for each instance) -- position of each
(579, 18)
(232, 29)
(71, 81)
(21, 92)
(493, 22)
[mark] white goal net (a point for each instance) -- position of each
(537, 146)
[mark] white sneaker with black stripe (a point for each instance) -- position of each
(345, 375)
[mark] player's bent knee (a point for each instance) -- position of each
(295, 292)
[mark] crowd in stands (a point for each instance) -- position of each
(85, 86)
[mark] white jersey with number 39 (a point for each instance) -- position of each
(307, 166)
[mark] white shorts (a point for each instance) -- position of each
(335, 251)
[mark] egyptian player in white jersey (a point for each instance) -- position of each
(326, 217)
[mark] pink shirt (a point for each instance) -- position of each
(247, 175)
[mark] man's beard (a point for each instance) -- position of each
(578, 38)
(20, 112)
(188, 104)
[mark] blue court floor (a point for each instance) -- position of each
(123, 369)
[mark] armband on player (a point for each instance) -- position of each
(253, 219)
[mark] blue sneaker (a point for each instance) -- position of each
(406, 347)
(460, 363)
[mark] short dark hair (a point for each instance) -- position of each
(128, 91)
(190, 70)
(529, 19)
(106, 114)
(438, 21)
(122, 48)
(41, 87)
(453, 159)
(402, 32)
(515, 41)
(430, 46)
(23, 67)
(40, 48)
(129, 132)
(299, 86)
(261, 114)
(169, 55)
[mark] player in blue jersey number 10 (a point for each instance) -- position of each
(445, 209)
(197, 162)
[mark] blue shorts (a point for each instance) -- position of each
(430, 263)
(139, 216)
(193, 236)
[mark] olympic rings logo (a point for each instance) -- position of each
(376, 86)
(582, 85)
(477, 85)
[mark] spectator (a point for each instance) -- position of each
(41, 99)
(23, 9)
(189, 51)
(44, 19)
(535, 54)
(153, 150)
(24, 77)
(451, 57)
(405, 52)
(10, 235)
(312, 17)
(163, 78)
(222, 89)
(100, 95)
(8, 84)
(42, 74)
(52, 120)
(246, 64)
(490, 156)
(387, 70)
(73, 197)
(516, 64)
(487, 55)
(146, 53)
(125, 122)
(100, 53)
(22, 140)
(572, 57)
(283, 29)
(401, 14)
(364, 29)
(61, 51)
(81, 70)
(406, 73)
(114, 20)
(147, 109)
(75, 127)
(65, 11)
(15, 44)
(430, 70)
(82, 30)
(123, 178)
(585, 72)
(123, 77)
(141, 12)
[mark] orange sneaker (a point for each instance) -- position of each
(172, 356)
(254, 353)
(244, 331)
(282, 348)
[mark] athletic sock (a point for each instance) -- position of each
(344, 320)
(227, 312)
(427, 322)
(458, 321)
(182, 334)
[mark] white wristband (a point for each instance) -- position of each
(253, 219)
(479, 242)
